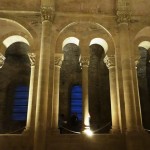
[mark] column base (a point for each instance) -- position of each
(55, 131)
(115, 131)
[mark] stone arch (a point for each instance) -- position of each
(141, 36)
(12, 27)
(72, 40)
(100, 42)
(85, 32)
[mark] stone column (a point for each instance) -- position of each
(2, 59)
(30, 99)
(123, 19)
(55, 102)
(85, 97)
(110, 63)
(137, 96)
(43, 80)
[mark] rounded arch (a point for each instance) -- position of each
(13, 39)
(100, 42)
(85, 32)
(72, 40)
(14, 27)
(145, 44)
(140, 39)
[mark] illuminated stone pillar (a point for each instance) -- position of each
(110, 63)
(55, 102)
(2, 59)
(136, 95)
(85, 97)
(129, 100)
(43, 80)
(30, 100)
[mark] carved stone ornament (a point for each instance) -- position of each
(84, 60)
(47, 13)
(32, 58)
(110, 61)
(123, 17)
(123, 12)
(2, 59)
(58, 60)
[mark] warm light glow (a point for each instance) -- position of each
(101, 42)
(13, 39)
(72, 40)
(145, 44)
(88, 132)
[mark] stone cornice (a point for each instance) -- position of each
(47, 13)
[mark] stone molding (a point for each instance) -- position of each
(2, 59)
(58, 60)
(47, 13)
(32, 58)
(109, 61)
(84, 60)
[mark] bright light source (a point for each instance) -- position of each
(145, 44)
(14, 38)
(72, 40)
(88, 132)
(101, 42)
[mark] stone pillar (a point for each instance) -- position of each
(123, 19)
(55, 102)
(43, 80)
(137, 96)
(110, 63)
(2, 59)
(85, 97)
(30, 100)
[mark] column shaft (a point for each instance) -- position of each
(110, 62)
(127, 78)
(42, 89)
(30, 100)
(85, 97)
(55, 103)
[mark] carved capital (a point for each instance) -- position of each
(58, 60)
(84, 60)
(47, 13)
(2, 59)
(110, 61)
(123, 17)
(32, 58)
(137, 61)
(123, 11)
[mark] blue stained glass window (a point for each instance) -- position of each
(76, 101)
(20, 103)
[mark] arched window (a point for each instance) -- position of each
(76, 101)
(20, 103)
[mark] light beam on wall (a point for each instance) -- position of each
(145, 44)
(72, 40)
(100, 42)
(13, 39)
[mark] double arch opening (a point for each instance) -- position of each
(98, 85)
